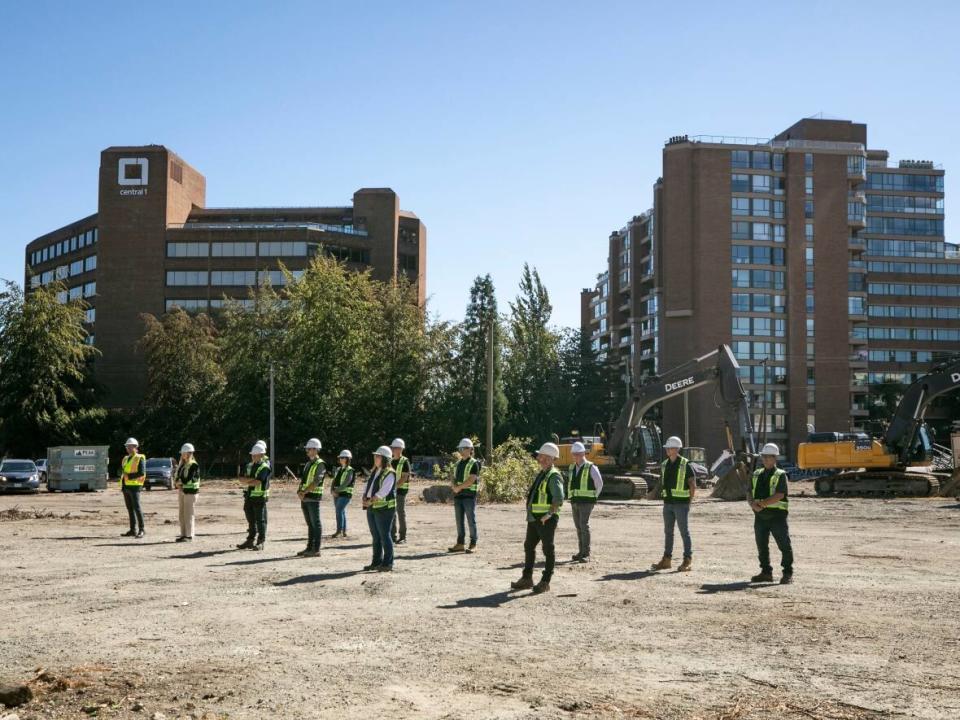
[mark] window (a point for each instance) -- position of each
(408, 263)
(740, 254)
(741, 326)
(187, 304)
(761, 207)
(186, 277)
(90, 316)
(779, 303)
(234, 278)
(810, 352)
(855, 164)
(898, 181)
(277, 278)
(187, 249)
(808, 162)
(915, 205)
(809, 279)
(761, 184)
(362, 256)
(739, 183)
(904, 226)
(740, 302)
(90, 263)
(780, 233)
(779, 211)
(808, 185)
(761, 255)
(283, 249)
(809, 327)
(740, 206)
(740, 158)
(779, 186)
(89, 289)
(780, 328)
(740, 230)
(760, 160)
(762, 326)
(856, 305)
(808, 255)
(233, 249)
(75, 293)
(761, 303)
(808, 232)
(808, 208)
(777, 162)
(62, 272)
(76, 267)
(741, 278)
(761, 231)
(906, 248)
(809, 302)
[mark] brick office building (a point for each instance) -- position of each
(152, 245)
(819, 260)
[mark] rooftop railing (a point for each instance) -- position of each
(321, 227)
(777, 144)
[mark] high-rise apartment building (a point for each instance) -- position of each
(153, 245)
(819, 260)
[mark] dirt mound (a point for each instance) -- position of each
(15, 513)
(438, 494)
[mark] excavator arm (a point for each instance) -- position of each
(719, 367)
(901, 438)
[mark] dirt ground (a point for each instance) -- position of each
(104, 626)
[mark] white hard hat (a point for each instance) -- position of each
(578, 447)
(312, 443)
(550, 450)
(384, 451)
(465, 444)
(131, 441)
(346, 454)
(770, 449)
(187, 447)
(258, 449)
(673, 442)
(398, 443)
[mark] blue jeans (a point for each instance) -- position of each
(466, 506)
(380, 522)
(311, 513)
(340, 506)
(679, 513)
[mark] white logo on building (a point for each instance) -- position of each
(133, 171)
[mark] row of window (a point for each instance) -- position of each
(275, 249)
(904, 226)
(914, 289)
(764, 160)
(927, 334)
(228, 278)
(760, 279)
(769, 184)
(916, 205)
(758, 302)
(77, 267)
(71, 244)
(758, 207)
(775, 374)
(77, 292)
(903, 181)
(903, 356)
(202, 304)
(856, 305)
(885, 266)
(916, 312)
(745, 350)
(764, 232)
(906, 248)
(756, 255)
(759, 327)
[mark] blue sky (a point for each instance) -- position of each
(517, 131)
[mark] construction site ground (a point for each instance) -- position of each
(102, 626)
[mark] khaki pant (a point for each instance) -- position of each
(187, 517)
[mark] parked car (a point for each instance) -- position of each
(41, 468)
(159, 472)
(19, 475)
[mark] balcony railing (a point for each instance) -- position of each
(322, 227)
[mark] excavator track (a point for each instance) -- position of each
(624, 487)
(878, 483)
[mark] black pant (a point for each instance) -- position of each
(765, 524)
(255, 510)
(131, 498)
(311, 513)
(538, 533)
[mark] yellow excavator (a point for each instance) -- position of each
(904, 462)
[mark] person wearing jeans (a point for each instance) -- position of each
(310, 493)
(678, 485)
(770, 504)
(584, 485)
(380, 502)
(188, 487)
(543, 514)
(132, 475)
(342, 489)
(466, 483)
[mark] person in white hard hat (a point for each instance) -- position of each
(678, 485)
(543, 513)
(380, 502)
(133, 472)
(770, 505)
(584, 485)
(256, 482)
(188, 486)
(466, 484)
(401, 465)
(342, 489)
(310, 493)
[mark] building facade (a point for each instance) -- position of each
(821, 262)
(153, 245)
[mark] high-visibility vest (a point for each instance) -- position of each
(132, 463)
(774, 481)
(388, 502)
(468, 470)
(540, 496)
(680, 490)
(401, 466)
(341, 477)
(258, 491)
(584, 490)
(182, 473)
(311, 472)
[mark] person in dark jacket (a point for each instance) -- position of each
(770, 505)
(256, 482)
(543, 514)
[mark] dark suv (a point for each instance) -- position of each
(159, 472)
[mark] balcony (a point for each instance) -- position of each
(857, 210)
(856, 169)
(857, 244)
(858, 266)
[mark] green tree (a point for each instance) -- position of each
(46, 395)
(585, 396)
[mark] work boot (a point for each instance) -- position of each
(541, 587)
(456, 548)
(686, 565)
(246, 544)
(258, 547)
(472, 548)
(762, 577)
(182, 538)
(129, 533)
(584, 559)
(335, 535)
(310, 553)
(576, 558)
(385, 568)
(140, 534)
(400, 541)
(371, 566)
(786, 578)
(303, 552)
(665, 563)
(524, 583)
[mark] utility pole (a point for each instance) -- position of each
(273, 439)
(490, 357)
(686, 418)
(763, 406)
